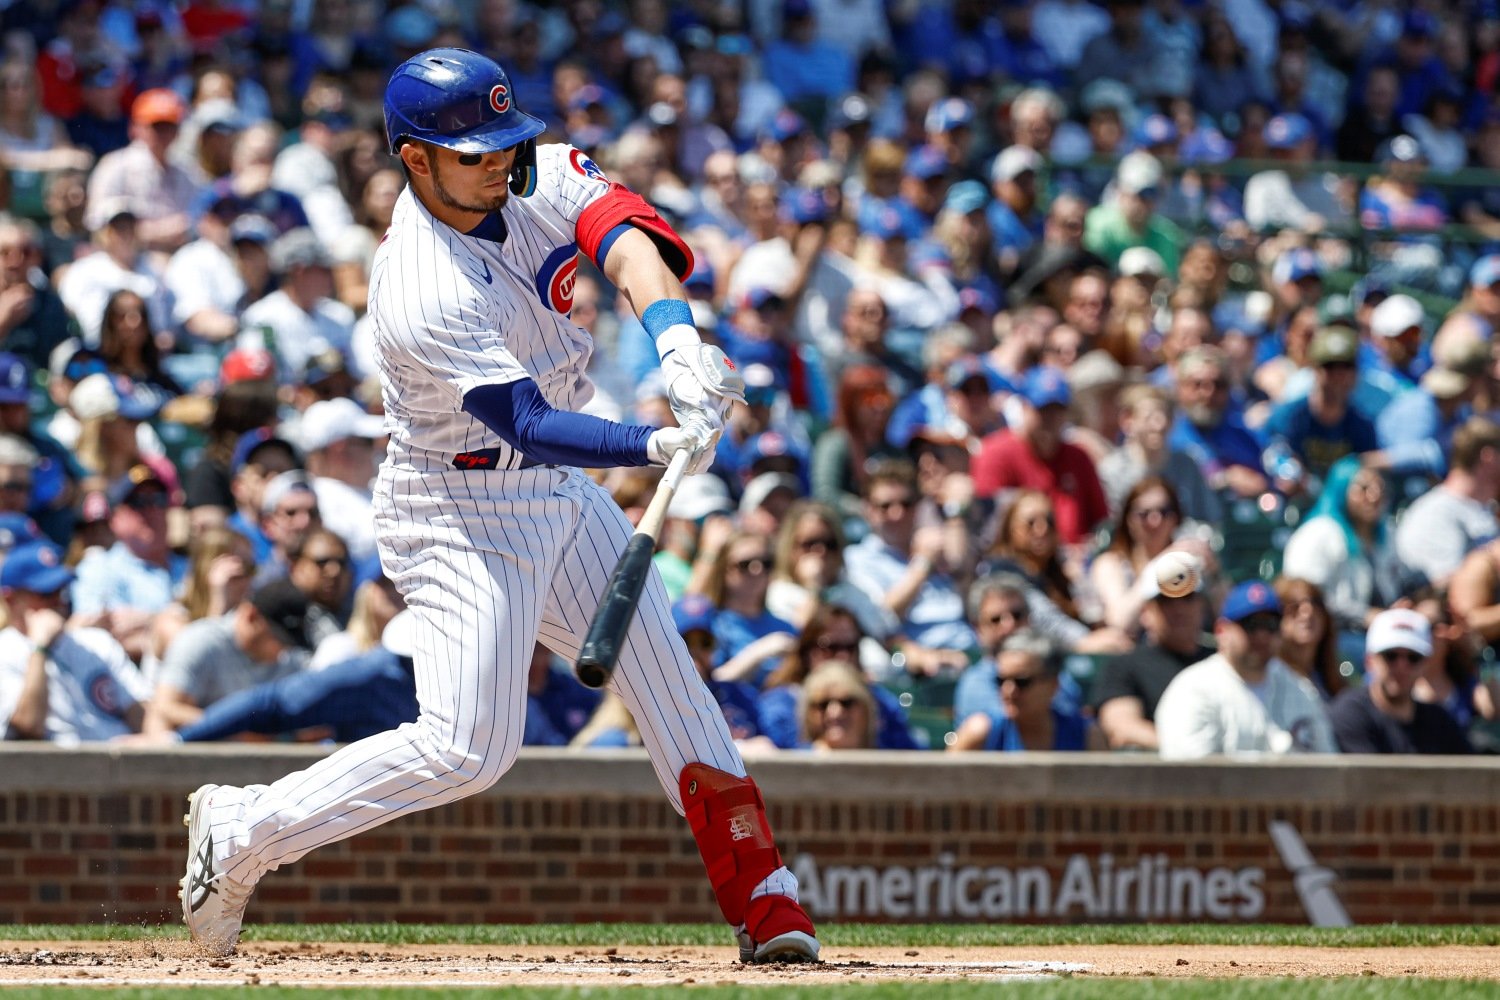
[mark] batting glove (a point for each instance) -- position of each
(697, 436)
(701, 382)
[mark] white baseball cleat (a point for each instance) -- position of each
(785, 948)
(213, 905)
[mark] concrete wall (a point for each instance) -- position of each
(95, 835)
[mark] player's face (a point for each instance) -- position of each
(469, 182)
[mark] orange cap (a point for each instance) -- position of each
(158, 105)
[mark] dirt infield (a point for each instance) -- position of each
(175, 963)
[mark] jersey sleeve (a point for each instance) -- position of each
(568, 179)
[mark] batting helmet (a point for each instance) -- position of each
(462, 101)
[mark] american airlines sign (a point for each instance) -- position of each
(1099, 887)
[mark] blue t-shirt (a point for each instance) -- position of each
(1215, 449)
(1069, 732)
(734, 632)
(778, 719)
(978, 690)
(555, 716)
(1320, 445)
(740, 704)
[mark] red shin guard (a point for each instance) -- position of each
(728, 819)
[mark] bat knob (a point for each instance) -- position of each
(590, 675)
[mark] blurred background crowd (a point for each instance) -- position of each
(1029, 297)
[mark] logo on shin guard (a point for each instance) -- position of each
(740, 828)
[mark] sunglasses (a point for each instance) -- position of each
(1021, 683)
(1262, 623)
(323, 562)
(752, 567)
(847, 704)
(475, 159)
(823, 542)
(1338, 366)
(147, 501)
(1009, 615)
(1145, 513)
(1401, 656)
(832, 648)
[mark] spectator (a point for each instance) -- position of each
(1027, 669)
(1148, 524)
(809, 571)
(60, 679)
(1242, 699)
(1324, 428)
(737, 586)
(1451, 676)
(320, 569)
(1454, 517)
(56, 474)
(904, 569)
(113, 434)
(241, 406)
(1396, 198)
(1309, 640)
(120, 262)
(1382, 716)
(136, 577)
(1131, 220)
(1145, 418)
(142, 181)
(845, 452)
(837, 710)
(220, 563)
(1129, 688)
(1035, 456)
(802, 65)
(694, 618)
(832, 634)
(1371, 123)
(32, 142)
(288, 511)
(33, 321)
(1226, 78)
(263, 639)
(1343, 547)
(1294, 197)
(299, 320)
(338, 439)
(376, 603)
(1014, 217)
(128, 346)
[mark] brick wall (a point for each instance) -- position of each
(94, 835)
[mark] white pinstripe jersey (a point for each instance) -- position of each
(452, 311)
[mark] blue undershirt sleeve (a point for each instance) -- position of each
(528, 423)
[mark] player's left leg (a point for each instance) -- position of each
(684, 731)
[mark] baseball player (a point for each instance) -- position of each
(483, 519)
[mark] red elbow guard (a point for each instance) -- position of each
(622, 205)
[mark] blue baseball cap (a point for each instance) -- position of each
(925, 163)
(702, 276)
(694, 613)
(769, 445)
(125, 485)
(1287, 131)
(1206, 145)
(17, 529)
(1156, 130)
(948, 114)
(801, 205)
(1485, 272)
(1296, 264)
(15, 379)
(1253, 597)
(966, 369)
(885, 222)
(36, 567)
(975, 297)
(1046, 386)
(965, 197)
(786, 124)
(1418, 24)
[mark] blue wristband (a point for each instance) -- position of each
(665, 313)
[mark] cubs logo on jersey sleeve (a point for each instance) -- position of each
(554, 280)
(585, 166)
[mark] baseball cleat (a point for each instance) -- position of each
(787, 933)
(793, 946)
(213, 905)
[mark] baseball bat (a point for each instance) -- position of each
(601, 647)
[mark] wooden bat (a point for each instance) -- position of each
(601, 647)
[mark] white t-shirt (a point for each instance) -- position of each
(348, 513)
(89, 283)
(91, 684)
(202, 276)
(299, 335)
(1209, 709)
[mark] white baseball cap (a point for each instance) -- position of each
(1141, 260)
(1396, 315)
(1013, 162)
(1138, 171)
(698, 497)
(1399, 628)
(330, 420)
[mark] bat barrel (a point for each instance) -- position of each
(606, 635)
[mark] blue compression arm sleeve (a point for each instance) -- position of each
(528, 423)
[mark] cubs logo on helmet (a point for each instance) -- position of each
(586, 166)
(555, 278)
(500, 98)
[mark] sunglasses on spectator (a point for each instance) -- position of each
(1144, 513)
(832, 648)
(1016, 614)
(1262, 623)
(1401, 656)
(848, 704)
(1021, 683)
(1338, 366)
(323, 562)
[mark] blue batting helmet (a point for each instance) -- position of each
(457, 99)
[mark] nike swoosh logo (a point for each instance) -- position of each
(485, 277)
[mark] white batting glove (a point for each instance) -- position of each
(696, 436)
(701, 380)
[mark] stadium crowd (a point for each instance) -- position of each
(1027, 296)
